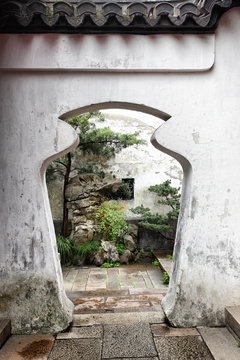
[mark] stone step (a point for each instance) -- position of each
(152, 317)
(221, 344)
(5, 330)
(164, 262)
(232, 314)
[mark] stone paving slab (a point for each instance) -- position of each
(182, 348)
(232, 316)
(97, 279)
(147, 280)
(120, 304)
(138, 281)
(162, 290)
(125, 278)
(165, 330)
(81, 280)
(119, 318)
(70, 278)
(89, 303)
(142, 358)
(133, 340)
(221, 343)
(82, 332)
(164, 262)
(150, 297)
(91, 293)
(113, 279)
(106, 303)
(27, 347)
(76, 349)
(155, 275)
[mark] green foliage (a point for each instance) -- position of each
(110, 265)
(112, 221)
(91, 169)
(124, 191)
(92, 140)
(65, 248)
(69, 250)
(155, 262)
(168, 196)
(169, 257)
(120, 247)
(165, 278)
(100, 141)
(86, 249)
(142, 254)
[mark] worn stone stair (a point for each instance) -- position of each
(221, 343)
(5, 330)
(164, 262)
(232, 314)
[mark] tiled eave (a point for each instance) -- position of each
(135, 17)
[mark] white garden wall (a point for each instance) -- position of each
(194, 79)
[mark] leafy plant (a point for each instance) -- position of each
(165, 278)
(69, 250)
(168, 196)
(65, 248)
(112, 221)
(86, 249)
(110, 265)
(142, 254)
(169, 257)
(155, 262)
(120, 247)
(123, 192)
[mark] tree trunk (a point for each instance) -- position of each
(65, 209)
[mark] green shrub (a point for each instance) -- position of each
(112, 221)
(123, 192)
(120, 247)
(86, 249)
(165, 278)
(168, 196)
(169, 257)
(155, 262)
(69, 250)
(65, 248)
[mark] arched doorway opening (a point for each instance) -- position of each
(129, 106)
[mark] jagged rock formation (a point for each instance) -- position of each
(85, 192)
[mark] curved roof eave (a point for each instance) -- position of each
(130, 17)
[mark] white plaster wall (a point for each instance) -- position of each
(203, 134)
(144, 163)
(136, 53)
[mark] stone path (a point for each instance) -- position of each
(118, 316)
(121, 278)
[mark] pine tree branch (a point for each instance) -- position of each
(60, 162)
(101, 142)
